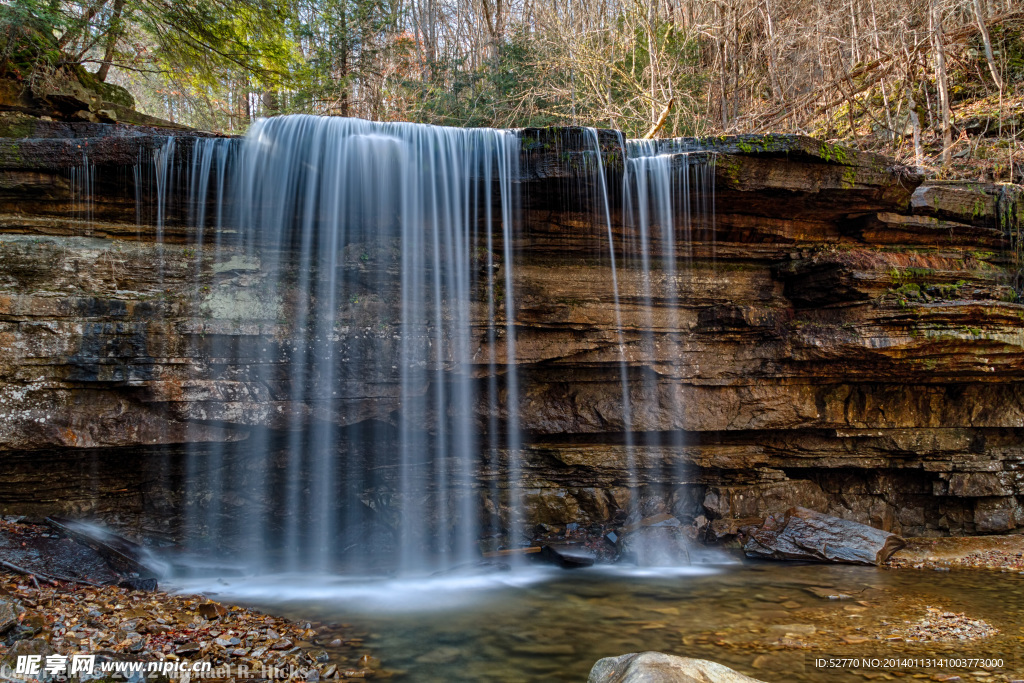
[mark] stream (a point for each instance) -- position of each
(768, 620)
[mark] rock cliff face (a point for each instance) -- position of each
(847, 339)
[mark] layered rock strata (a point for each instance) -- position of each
(846, 338)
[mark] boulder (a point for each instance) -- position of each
(657, 667)
(568, 556)
(802, 534)
(9, 611)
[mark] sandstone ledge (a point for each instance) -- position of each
(846, 338)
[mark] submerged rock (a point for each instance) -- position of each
(568, 556)
(657, 667)
(802, 534)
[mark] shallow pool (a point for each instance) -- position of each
(768, 620)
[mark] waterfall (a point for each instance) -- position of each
(82, 181)
(668, 192)
(357, 282)
(378, 243)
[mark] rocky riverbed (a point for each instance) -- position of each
(119, 624)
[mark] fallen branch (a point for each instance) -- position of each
(661, 120)
(22, 570)
(45, 577)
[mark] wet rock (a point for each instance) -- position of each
(156, 628)
(656, 667)
(996, 514)
(138, 584)
(798, 629)
(9, 611)
(802, 534)
(442, 655)
(33, 623)
(737, 502)
(770, 207)
(828, 593)
(135, 643)
(124, 556)
(35, 646)
(980, 484)
(568, 556)
(782, 663)
(656, 546)
(368, 662)
(212, 610)
(126, 631)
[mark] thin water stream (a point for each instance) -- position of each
(770, 621)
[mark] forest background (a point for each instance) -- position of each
(935, 83)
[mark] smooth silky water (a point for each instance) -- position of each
(391, 387)
(552, 625)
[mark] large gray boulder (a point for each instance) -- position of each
(657, 667)
(802, 534)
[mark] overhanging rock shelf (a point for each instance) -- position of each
(847, 339)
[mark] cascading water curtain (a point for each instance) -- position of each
(380, 250)
(356, 290)
(668, 199)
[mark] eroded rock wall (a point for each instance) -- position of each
(846, 339)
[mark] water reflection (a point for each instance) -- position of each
(766, 620)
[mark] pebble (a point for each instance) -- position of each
(941, 626)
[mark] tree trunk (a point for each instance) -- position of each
(941, 82)
(989, 57)
(776, 90)
(343, 67)
(72, 32)
(915, 123)
(113, 34)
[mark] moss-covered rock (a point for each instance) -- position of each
(36, 79)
